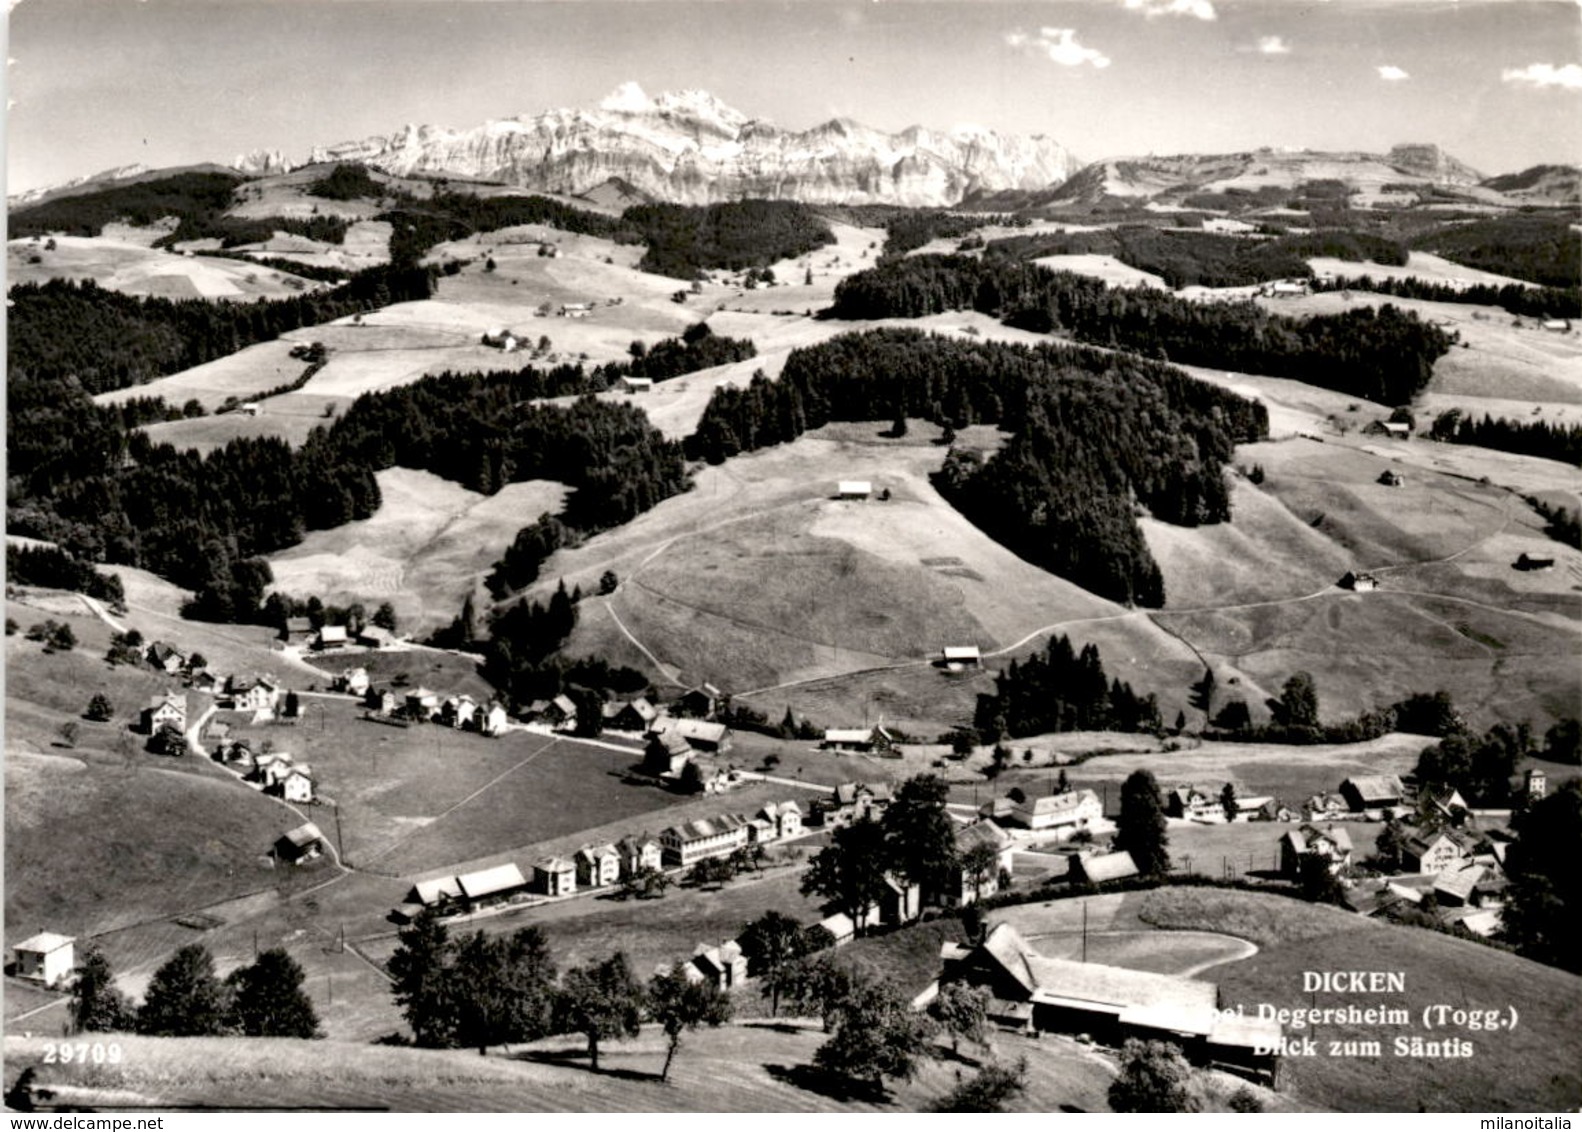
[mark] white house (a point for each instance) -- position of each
(46, 958)
(854, 489)
(297, 785)
(1065, 812)
(706, 837)
(638, 853)
(171, 708)
(332, 637)
(353, 680)
(637, 384)
(962, 656)
(491, 719)
(555, 876)
(597, 866)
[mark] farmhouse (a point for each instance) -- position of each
(1447, 802)
(1193, 802)
(296, 784)
(300, 845)
(1525, 561)
(636, 715)
(299, 629)
(900, 902)
(1334, 845)
(46, 958)
(1456, 887)
(1111, 1003)
(597, 866)
(491, 720)
(853, 489)
(381, 701)
(1436, 851)
(700, 734)
(488, 887)
(638, 853)
(964, 886)
(1391, 478)
(1399, 430)
(1557, 325)
(957, 657)
(666, 755)
(1064, 811)
(851, 802)
(259, 694)
(1535, 783)
(375, 637)
(1358, 582)
(422, 703)
(332, 637)
(722, 967)
(165, 657)
(352, 680)
(700, 702)
(458, 711)
(784, 817)
(561, 712)
(443, 894)
(1286, 289)
(694, 840)
(1372, 792)
(858, 740)
(1102, 867)
(637, 384)
(1261, 809)
(171, 709)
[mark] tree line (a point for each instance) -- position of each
(56, 569)
(1517, 298)
(1093, 435)
(1538, 248)
(1382, 354)
(1547, 441)
(1061, 689)
(686, 240)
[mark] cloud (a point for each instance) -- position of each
(1392, 74)
(1200, 9)
(1060, 45)
(1273, 45)
(1545, 74)
(627, 98)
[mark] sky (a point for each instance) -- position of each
(94, 84)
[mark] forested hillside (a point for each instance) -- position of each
(684, 240)
(1384, 355)
(1540, 249)
(1094, 434)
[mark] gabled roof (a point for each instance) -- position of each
(486, 882)
(564, 704)
(45, 942)
(553, 865)
(672, 743)
(1307, 834)
(433, 891)
(177, 700)
(375, 633)
(303, 835)
(634, 846)
(839, 925)
(962, 652)
(849, 735)
(1422, 842)
(298, 625)
(329, 633)
(1044, 804)
(1109, 866)
(1376, 787)
(1459, 882)
(983, 832)
(699, 729)
(597, 852)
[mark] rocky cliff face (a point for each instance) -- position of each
(690, 148)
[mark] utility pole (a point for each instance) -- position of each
(340, 849)
(1084, 931)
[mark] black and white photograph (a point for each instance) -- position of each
(793, 556)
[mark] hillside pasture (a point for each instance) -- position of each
(136, 269)
(424, 550)
(1106, 268)
(241, 375)
(1419, 265)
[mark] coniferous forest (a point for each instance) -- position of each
(1094, 435)
(1062, 690)
(1385, 355)
(1529, 438)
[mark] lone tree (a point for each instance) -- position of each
(919, 836)
(771, 943)
(1227, 801)
(1141, 827)
(100, 709)
(601, 1000)
(850, 870)
(96, 1005)
(1389, 846)
(385, 617)
(1154, 1077)
(420, 967)
(678, 1004)
(816, 984)
(608, 581)
(503, 988)
(962, 1011)
(1298, 703)
(268, 1000)
(877, 1035)
(185, 998)
(994, 1085)
(1203, 693)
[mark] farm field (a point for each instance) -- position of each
(133, 268)
(1106, 268)
(425, 550)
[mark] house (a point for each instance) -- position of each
(1111, 1004)
(375, 637)
(1372, 792)
(458, 711)
(251, 408)
(853, 489)
(422, 703)
(666, 755)
(1557, 325)
(353, 681)
(46, 958)
(964, 887)
(957, 657)
(171, 709)
(296, 784)
(840, 927)
(1260, 809)
(636, 715)
(1358, 582)
(1436, 851)
(492, 718)
(1064, 811)
(332, 637)
(700, 734)
(1193, 802)
(1536, 782)
(784, 817)
(381, 701)
(299, 629)
(1456, 887)
(597, 866)
(575, 310)
(270, 769)
(700, 702)
(1285, 289)
(555, 876)
(637, 384)
(694, 840)
(489, 887)
(1400, 430)
(722, 967)
(1391, 478)
(1102, 867)
(1525, 561)
(635, 854)
(443, 894)
(859, 740)
(1334, 845)
(561, 712)
(300, 845)
(851, 802)
(260, 694)
(166, 657)
(900, 902)
(206, 680)
(1448, 804)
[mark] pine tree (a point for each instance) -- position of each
(185, 998)
(96, 1004)
(268, 999)
(1141, 828)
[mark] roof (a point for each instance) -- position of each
(1423, 842)
(433, 891)
(486, 882)
(641, 381)
(303, 835)
(849, 735)
(635, 844)
(1065, 982)
(1045, 804)
(332, 633)
(700, 729)
(672, 743)
(962, 652)
(855, 487)
(983, 832)
(298, 625)
(1376, 786)
(178, 699)
(45, 942)
(553, 865)
(564, 703)
(1459, 882)
(1338, 837)
(376, 633)
(839, 925)
(597, 852)
(1108, 866)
